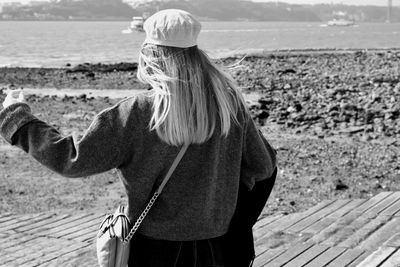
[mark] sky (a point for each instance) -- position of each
(346, 2)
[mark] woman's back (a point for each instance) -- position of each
(200, 198)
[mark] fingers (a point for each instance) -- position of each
(14, 93)
(17, 95)
(21, 96)
(13, 96)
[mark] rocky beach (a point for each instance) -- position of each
(333, 116)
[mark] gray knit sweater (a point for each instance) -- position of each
(198, 201)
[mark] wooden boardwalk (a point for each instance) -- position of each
(335, 233)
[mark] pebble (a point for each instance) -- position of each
(353, 94)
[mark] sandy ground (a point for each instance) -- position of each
(333, 118)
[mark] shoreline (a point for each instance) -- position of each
(233, 54)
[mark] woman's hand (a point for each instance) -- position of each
(13, 96)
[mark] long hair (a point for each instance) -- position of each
(190, 93)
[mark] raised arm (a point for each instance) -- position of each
(104, 145)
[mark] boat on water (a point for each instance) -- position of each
(136, 24)
(340, 19)
(340, 22)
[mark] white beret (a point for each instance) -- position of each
(172, 27)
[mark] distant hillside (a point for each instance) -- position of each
(238, 10)
(72, 10)
(205, 9)
(117, 10)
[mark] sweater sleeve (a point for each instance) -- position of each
(259, 157)
(102, 147)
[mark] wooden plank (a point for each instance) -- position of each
(54, 255)
(40, 251)
(7, 218)
(346, 258)
(326, 257)
(260, 250)
(44, 222)
(31, 245)
(267, 256)
(26, 219)
(394, 241)
(71, 220)
(393, 261)
(307, 256)
(383, 234)
(14, 239)
(4, 236)
(89, 237)
(379, 207)
(364, 232)
(18, 243)
(290, 254)
(378, 257)
(27, 222)
(263, 231)
(339, 230)
(7, 260)
(65, 226)
(19, 218)
(287, 221)
(278, 239)
(333, 217)
(82, 257)
(266, 220)
(344, 230)
(24, 252)
(372, 202)
(76, 228)
(282, 225)
(301, 225)
(392, 210)
(92, 229)
(5, 215)
(357, 261)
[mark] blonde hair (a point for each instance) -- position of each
(190, 93)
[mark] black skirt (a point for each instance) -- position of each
(147, 252)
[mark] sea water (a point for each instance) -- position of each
(57, 43)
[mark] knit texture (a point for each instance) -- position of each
(14, 117)
(199, 200)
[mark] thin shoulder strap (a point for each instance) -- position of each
(172, 168)
(156, 193)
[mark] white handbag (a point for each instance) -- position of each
(112, 246)
(113, 237)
